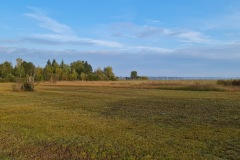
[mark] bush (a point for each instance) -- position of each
(26, 86)
(222, 82)
(229, 82)
(144, 78)
(16, 87)
(236, 82)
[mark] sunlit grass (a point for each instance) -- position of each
(188, 85)
(107, 120)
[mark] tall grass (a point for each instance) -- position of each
(189, 85)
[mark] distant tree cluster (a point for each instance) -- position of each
(54, 71)
(134, 76)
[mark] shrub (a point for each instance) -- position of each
(222, 82)
(27, 86)
(144, 78)
(236, 82)
(23, 86)
(16, 87)
(229, 82)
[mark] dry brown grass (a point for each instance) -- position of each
(195, 85)
(128, 84)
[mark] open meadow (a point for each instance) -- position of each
(120, 120)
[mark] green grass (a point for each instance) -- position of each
(94, 122)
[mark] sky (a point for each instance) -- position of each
(184, 38)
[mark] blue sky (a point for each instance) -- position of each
(156, 37)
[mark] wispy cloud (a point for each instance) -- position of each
(62, 34)
(228, 21)
(49, 23)
(182, 34)
(224, 52)
(56, 39)
(32, 51)
(148, 50)
(190, 36)
(148, 31)
(229, 51)
(131, 30)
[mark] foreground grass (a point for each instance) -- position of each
(104, 122)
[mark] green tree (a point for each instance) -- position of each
(6, 68)
(63, 72)
(29, 68)
(48, 72)
(87, 68)
(66, 72)
(65, 76)
(83, 76)
(19, 62)
(91, 77)
(100, 76)
(10, 78)
(57, 71)
(62, 64)
(108, 71)
(81, 66)
(49, 62)
(78, 70)
(39, 74)
(73, 75)
(55, 66)
(19, 70)
(78, 67)
(133, 75)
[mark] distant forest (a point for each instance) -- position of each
(54, 71)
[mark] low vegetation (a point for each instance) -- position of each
(234, 82)
(119, 120)
(23, 85)
(185, 85)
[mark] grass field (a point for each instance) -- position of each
(120, 120)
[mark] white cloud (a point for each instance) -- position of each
(49, 23)
(225, 22)
(191, 36)
(32, 51)
(130, 30)
(228, 51)
(69, 39)
(62, 33)
(181, 34)
(148, 31)
(149, 49)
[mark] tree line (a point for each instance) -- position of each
(54, 71)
